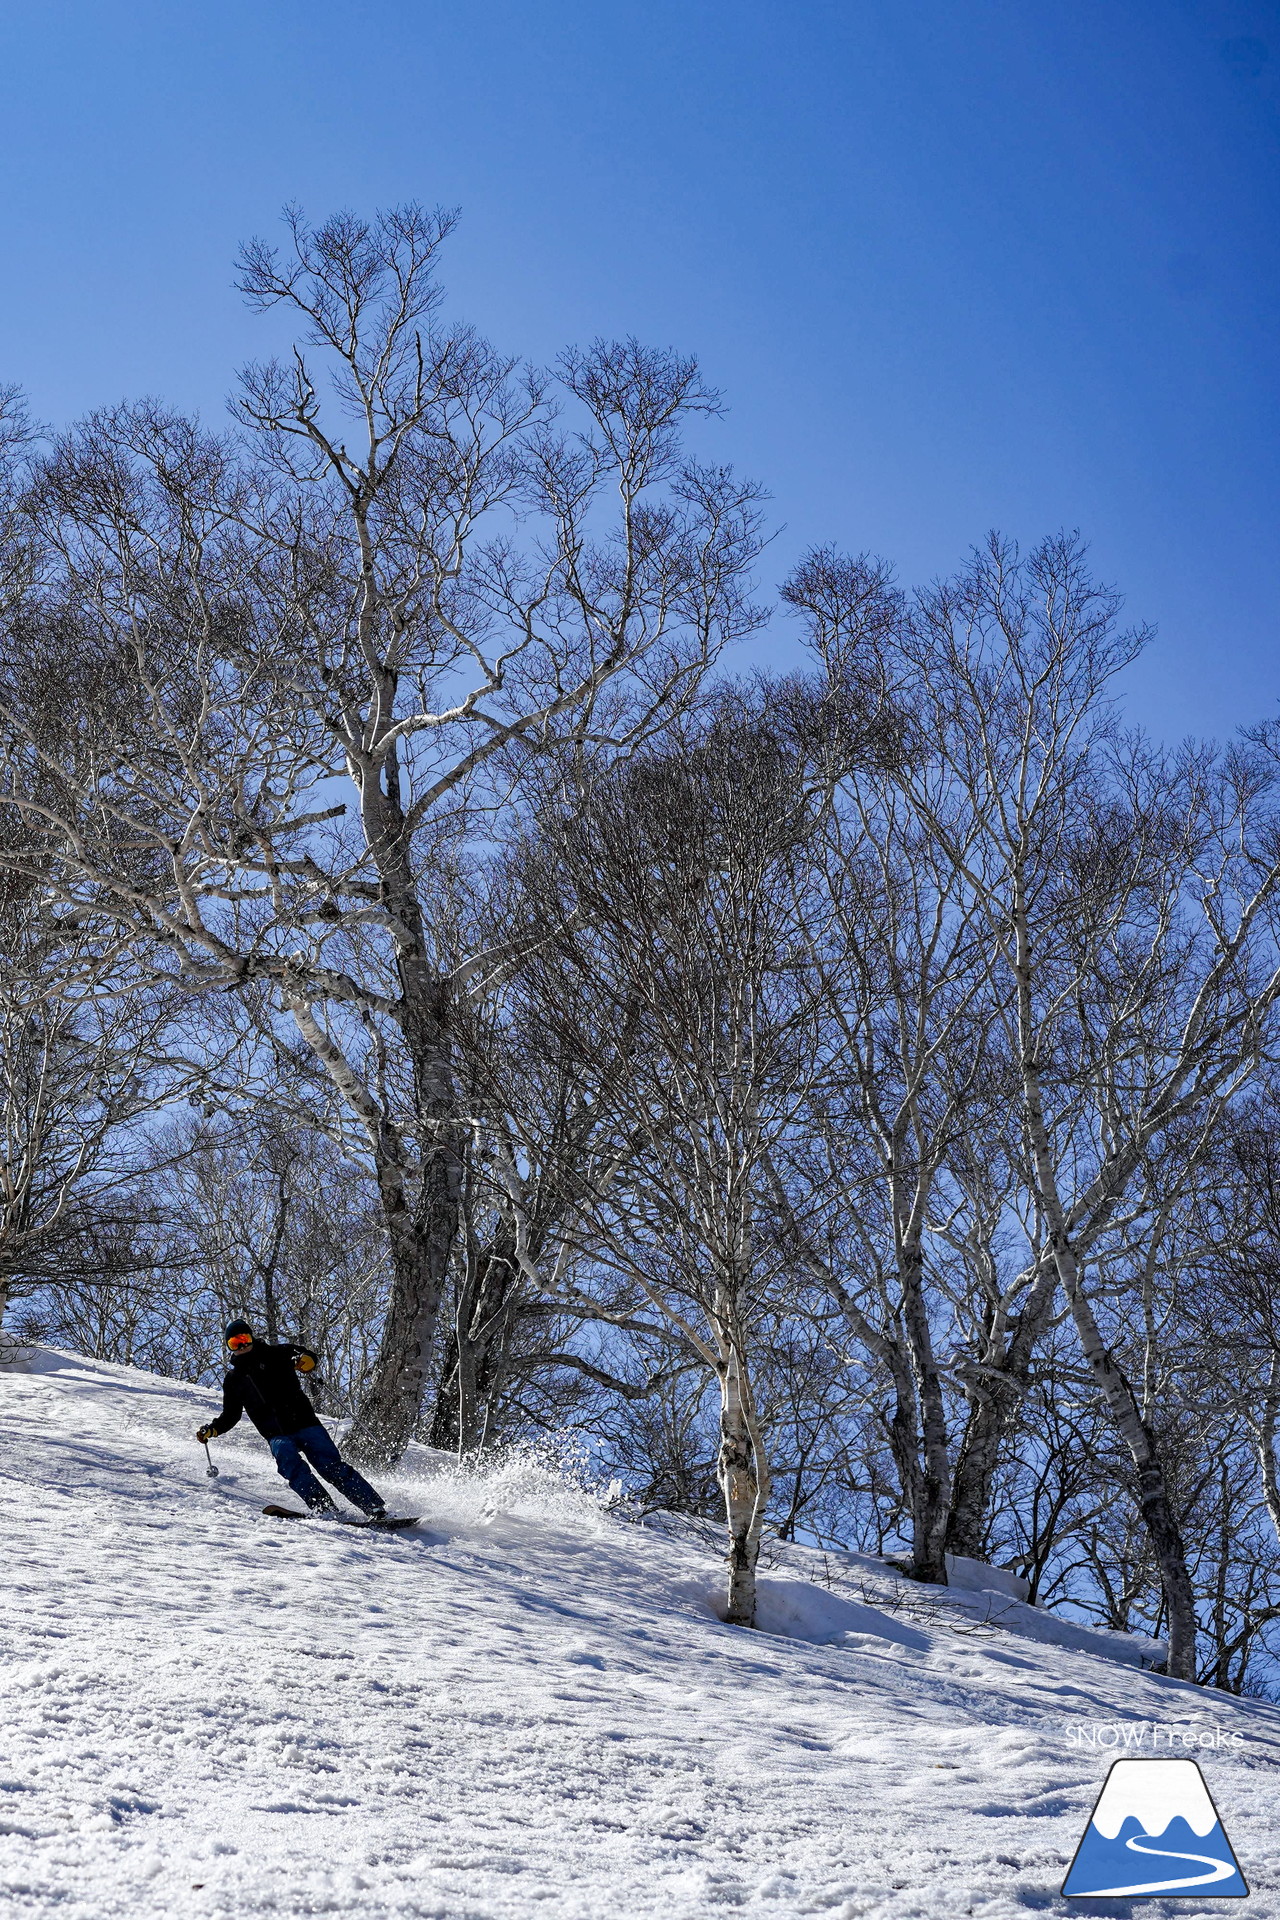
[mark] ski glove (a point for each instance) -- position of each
(205, 1434)
(305, 1363)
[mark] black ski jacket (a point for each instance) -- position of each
(263, 1384)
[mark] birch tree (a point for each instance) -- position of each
(677, 897)
(85, 1058)
(1233, 1223)
(269, 690)
(907, 1071)
(1129, 898)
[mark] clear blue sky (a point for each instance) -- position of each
(955, 263)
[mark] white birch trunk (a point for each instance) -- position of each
(1154, 1502)
(1266, 1441)
(745, 1482)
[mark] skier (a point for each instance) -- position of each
(261, 1383)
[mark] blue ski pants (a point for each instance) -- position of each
(288, 1450)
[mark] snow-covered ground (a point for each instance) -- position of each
(526, 1707)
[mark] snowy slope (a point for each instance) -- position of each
(530, 1709)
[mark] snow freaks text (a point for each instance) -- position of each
(1150, 1736)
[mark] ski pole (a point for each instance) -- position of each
(211, 1470)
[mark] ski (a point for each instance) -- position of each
(391, 1524)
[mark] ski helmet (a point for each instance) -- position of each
(237, 1330)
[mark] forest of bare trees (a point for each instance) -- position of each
(840, 1099)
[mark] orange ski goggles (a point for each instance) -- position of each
(239, 1341)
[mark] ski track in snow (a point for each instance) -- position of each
(524, 1708)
